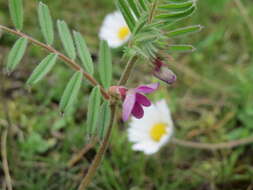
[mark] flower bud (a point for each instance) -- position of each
(120, 90)
(165, 74)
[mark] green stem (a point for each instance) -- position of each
(152, 12)
(127, 71)
(102, 149)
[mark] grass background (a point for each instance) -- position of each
(211, 102)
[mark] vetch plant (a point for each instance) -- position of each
(146, 27)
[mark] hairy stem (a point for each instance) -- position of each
(127, 71)
(63, 57)
(152, 12)
(102, 149)
(211, 146)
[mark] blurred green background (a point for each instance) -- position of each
(211, 102)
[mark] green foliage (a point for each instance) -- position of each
(127, 13)
(46, 23)
(216, 106)
(16, 54)
(66, 39)
(16, 11)
(150, 23)
(36, 144)
(135, 8)
(93, 111)
(182, 48)
(184, 31)
(177, 6)
(176, 15)
(42, 69)
(105, 117)
(71, 91)
(105, 64)
(84, 52)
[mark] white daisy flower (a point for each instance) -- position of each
(114, 30)
(153, 130)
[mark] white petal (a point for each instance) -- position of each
(139, 130)
(146, 147)
(110, 28)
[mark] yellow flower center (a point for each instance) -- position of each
(157, 131)
(123, 32)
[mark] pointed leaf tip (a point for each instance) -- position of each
(16, 54)
(17, 13)
(83, 52)
(42, 69)
(46, 23)
(66, 39)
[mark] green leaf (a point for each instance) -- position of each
(176, 15)
(93, 110)
(66, 39)
(182, 48)
(71, 91)
(16, 54)
(143, 5)
(129, 18)
(104, 119)
(46, 23)
(140, 25)
(134, 7)
(16, 11)
(177, 6)
(184, 31)
(42, 69)
(105, 64)
(179, 1)
(84, 52)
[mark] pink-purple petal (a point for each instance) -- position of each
(128, 105)
(138, 111)
(147, 88)
(142, 100)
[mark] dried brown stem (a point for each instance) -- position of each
(245, 15)
(5, 159)
(4, 137)
(211, 146)
(77, 157)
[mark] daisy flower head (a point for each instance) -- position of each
(114, 30)
(154, 130)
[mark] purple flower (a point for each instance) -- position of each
(135, 99)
